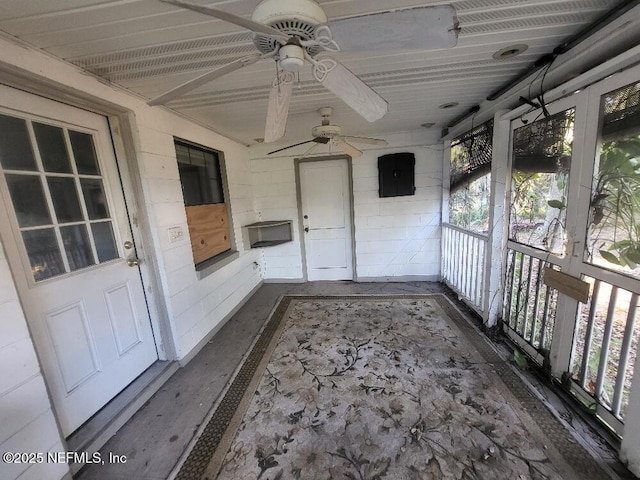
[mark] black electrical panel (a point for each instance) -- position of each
(396, 174)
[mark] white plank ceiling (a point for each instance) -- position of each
(149, 47)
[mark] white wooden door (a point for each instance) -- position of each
(66, 232)
(326, 212)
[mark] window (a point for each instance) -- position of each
(204, 199)
(57, 191)
(470, 178)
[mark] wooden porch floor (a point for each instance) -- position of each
(156, 437)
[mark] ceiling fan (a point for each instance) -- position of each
(295, 32)
(332, 134)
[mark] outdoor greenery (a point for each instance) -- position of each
(469, 206)
(541, 161)
(537, 209)
(615, 218)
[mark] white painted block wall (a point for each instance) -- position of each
(396, 238)
(27, 423)
(195, 306)
(274, 190)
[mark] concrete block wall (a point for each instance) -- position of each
(27, 423)
(396, 238)
(196, 305)
(274, 190)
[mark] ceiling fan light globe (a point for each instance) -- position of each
(291, 58)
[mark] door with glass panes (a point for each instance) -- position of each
(66, 233)
(544, 206)
(575, 209)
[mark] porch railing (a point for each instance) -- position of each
(463, 264)
(529, 305)
(605, 348)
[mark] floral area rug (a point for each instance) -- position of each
(380, 388)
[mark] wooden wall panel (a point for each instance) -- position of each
(209, 230)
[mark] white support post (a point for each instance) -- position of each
(444, 216)
(446, 180)
(630, 447)
(498, 214)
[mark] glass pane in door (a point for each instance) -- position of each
(65, 199)
(84, 153)
(28, 200)
(15, 145)
(77, 246)
(94, 198)
(52, 147)
(104, 241)
(44, 253)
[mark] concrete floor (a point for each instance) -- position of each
(157, 436)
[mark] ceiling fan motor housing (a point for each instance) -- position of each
(293, 17)
(326, 131)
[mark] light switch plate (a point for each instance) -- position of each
(176, 234)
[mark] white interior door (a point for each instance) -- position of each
(66, 232)
(326, 211)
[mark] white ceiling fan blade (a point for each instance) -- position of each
(202, 79)
(350, 89)
(347, 148)
(420, 28)
(367, 141)
(231, 18)
(278, 108)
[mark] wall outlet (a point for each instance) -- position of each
(176, 234)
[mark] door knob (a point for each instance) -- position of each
(133, 262)
(306, 229)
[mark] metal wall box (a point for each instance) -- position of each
(269, 233)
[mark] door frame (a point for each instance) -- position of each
(121, 122)
(303, 250)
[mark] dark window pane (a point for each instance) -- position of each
(53, 149)
(44, 253)
(214, 178)
(94, 198)
(77, 246)
(104, 241)
(15, 146)
(199, 175)
(65, 199)
(28, 200)
(84, 153)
